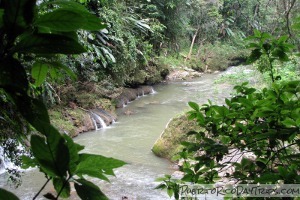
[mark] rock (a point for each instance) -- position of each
(169, 142)
(128, 112)
(178, 175)
(107, 117)
(147, 89)
(183, 74)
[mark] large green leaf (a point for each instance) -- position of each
(7, 195)
(92, 22)
(1, 17)
(39, 73)
(28, 162)
(255, 55)
(194, 105)
(18, 15)
(96, 165)
(48, 44)
(73, 150)
(51, 153)
(88, 191)
(61, 20)
(13, 75)
(35, 112)
(60, 184)
(58, 65)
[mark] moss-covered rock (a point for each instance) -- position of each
(169, 142)
(71, 121)
(60, 120)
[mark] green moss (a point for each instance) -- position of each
(61, 122)
(169, 143)
(91, 100)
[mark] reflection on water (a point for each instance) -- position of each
(131, 139)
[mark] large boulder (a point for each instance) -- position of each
(169, 142)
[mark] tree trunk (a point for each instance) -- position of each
(192, 45)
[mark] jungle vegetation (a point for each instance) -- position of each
(47, 45)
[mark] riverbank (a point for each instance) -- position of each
(88, 106)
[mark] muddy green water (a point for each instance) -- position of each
(132, 136)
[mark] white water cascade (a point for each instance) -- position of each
(152, 91)
(96, 118)
(4, 163)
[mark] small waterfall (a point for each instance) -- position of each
(152, 91)
(102, 123)
(107, 114)
(98, 121)
(2, 165)
(95, 123)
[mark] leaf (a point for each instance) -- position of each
(254, 56)
(18, 14)
(58, 65)
(60, 184)
(288, 122)
(97, 165)
(13, 75)
(246, 102)
(283, 38)
(39, 73)
(35, 112)
(170, 192)
(61, 20)
(108, 55)
(228, 102)
(281, 54)
(222, 110)
(88, 191)
(93, 23)
(257, 33)
(268, 178)
(194, 105)
(48, 44)
(49, 196)
(28, 162)
(1, 17)
(52, 153)
(73, 151)
(160, 186)
(282, 171)
(54, 73)
(4, 194)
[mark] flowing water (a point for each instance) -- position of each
(132, 136)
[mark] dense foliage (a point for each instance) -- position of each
(27, 33)
(39, 40)
(254, 137)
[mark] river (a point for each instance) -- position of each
(132, 136)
